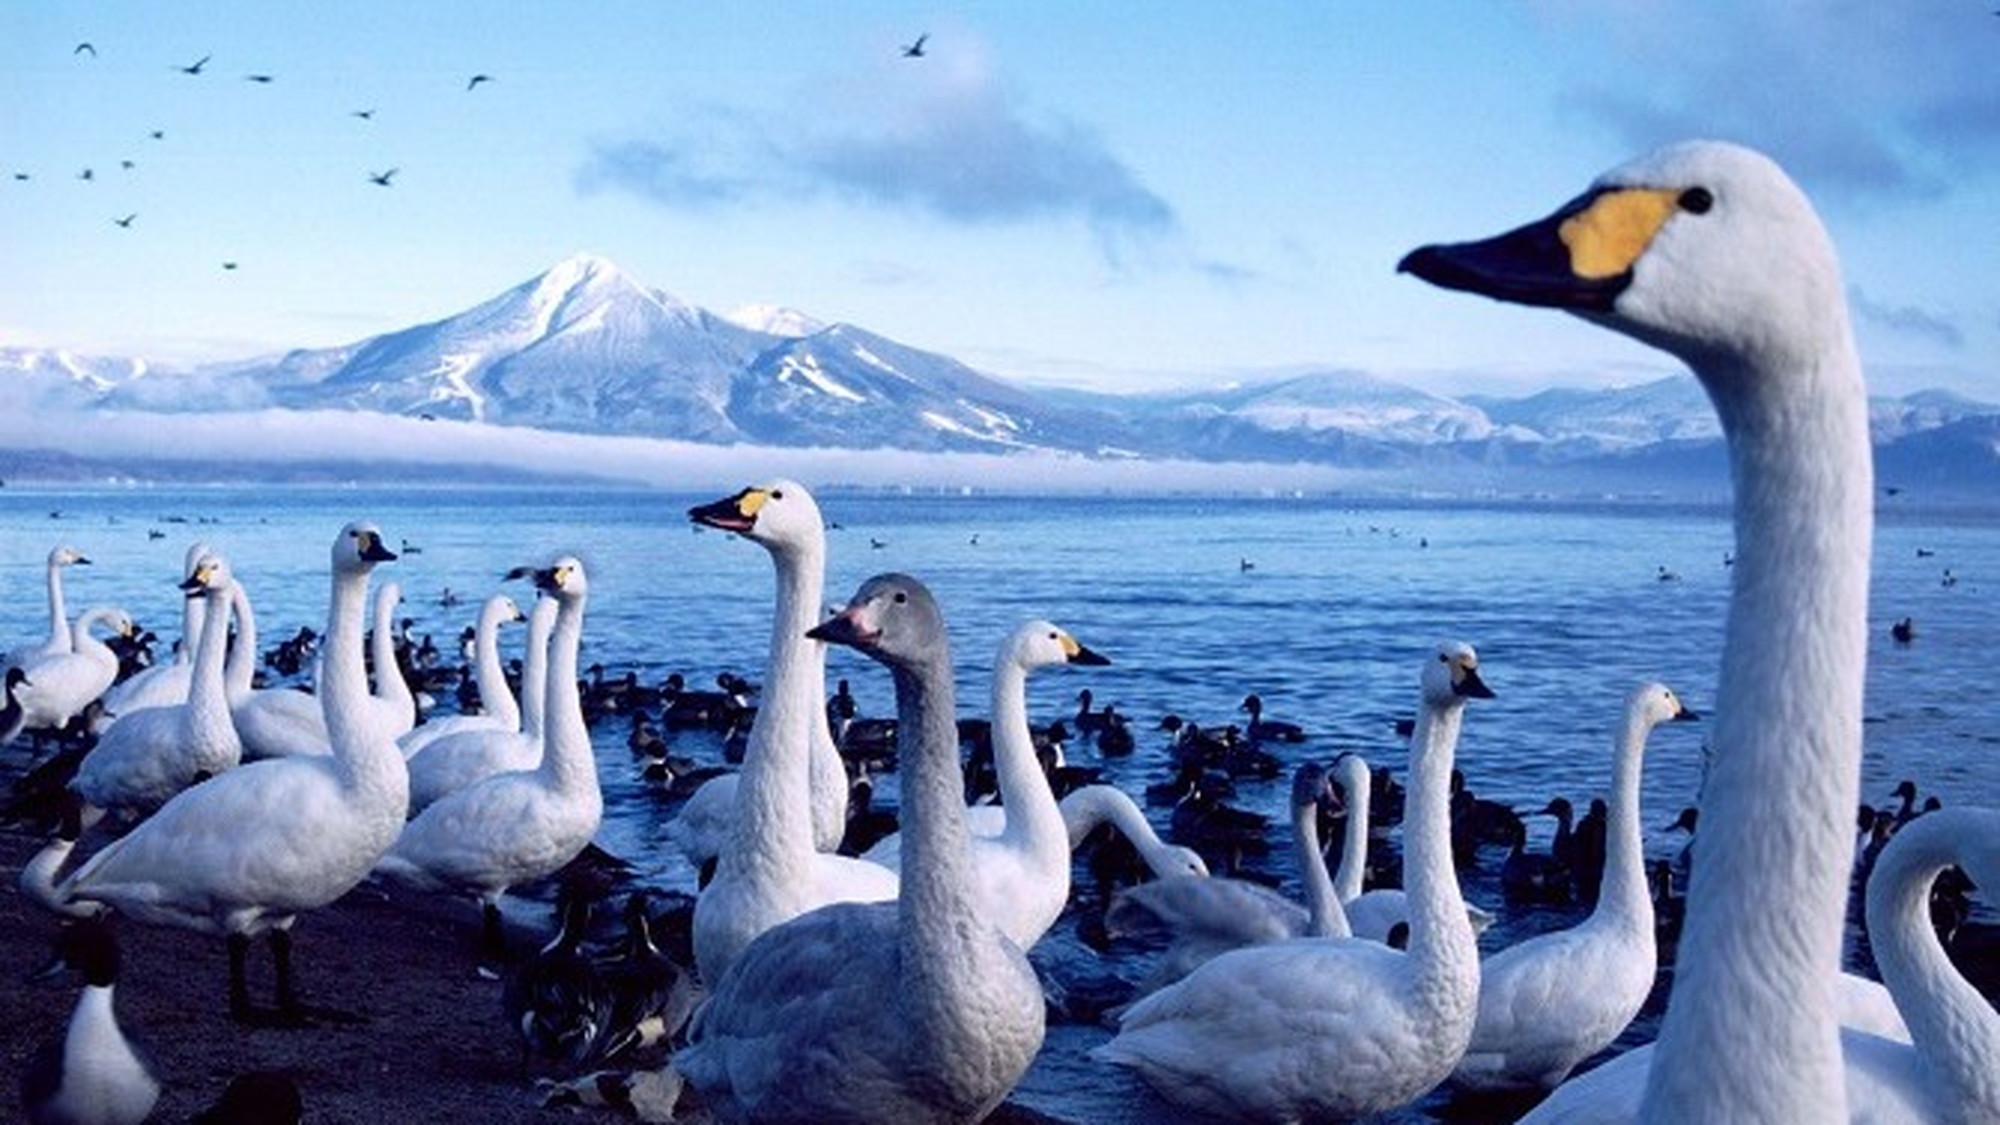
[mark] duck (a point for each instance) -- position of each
(467, 754)
(1709, 251)
(1317, 1028)
(60, 638)
(523, 825)
(145, 758)
(95, 1073)
(248, 851)
(1020, 855)
(1552, 1001)
(650, 995)
(163, 684)
(556, 999)
(60, 685)
(499, 710)
(916, 1010)
(778, 859)
(1203, 917)
(1260, 729)
(1539, 878)
(1371, 914)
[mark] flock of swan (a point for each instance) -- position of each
(895, 986)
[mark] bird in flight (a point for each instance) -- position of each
(381, 179)
(477, 79)
(195, 67)
(158, 134)
(127, 165)
(229, 265)
(86, 174)
(22, 176)
(126, 222)
(85, 48)
(257, 78)
(364, 114)
(916, 50)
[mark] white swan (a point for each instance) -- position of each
(61, 685)
(145, 758)
(461, 757)
(246, 852)
(60, 638)
(1333, 1027)
(916, 1011)
(272, 722)
(168, 682)
(1709, 251)
(394, 705)
(772, 868)
(520, 826)
(1371, 914)
(1022, 867)
(1548, 1003)
(1084, 810)
(498, 709)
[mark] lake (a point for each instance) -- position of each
(1321, 604)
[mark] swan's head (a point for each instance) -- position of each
(209, 573)
(1311, 785)
(561, 579)
(501, 609)
(892, 618)
(195, 551)
(358, 548)
(1452, 675)
(68, 556)
(1704, 249)
(780, 513)
(1168, 860)
(1655, 703)
(1350, 772)
(1039, 644)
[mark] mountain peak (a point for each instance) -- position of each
(775, 320)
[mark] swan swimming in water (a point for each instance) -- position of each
(1333, 1027)
(1371, 914)
(1709, 251)
(918, 1010)
(1552, 1001)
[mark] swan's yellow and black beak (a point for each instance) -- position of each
(1466, 684)
(195, 583)
(1579, 258)
(374, 550)
(737, 513)
(1079, 653)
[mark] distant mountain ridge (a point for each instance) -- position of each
(584, 348)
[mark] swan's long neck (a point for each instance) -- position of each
(368, 762)
(61, 639)
(1085, 808)
(208, 721)
(1353, 842)
(194, 611)
(241, 671)
(390, 686)
(1623, 894)
(535, 670)
(1954, 1029)
(495, 697)
(1761, 944)
(1031, 808)
(776, 788)
(1441, 942)
(1326, 918)
(826, 771)
(568, 765)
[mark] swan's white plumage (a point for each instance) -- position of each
(772, 868)
(1371, 914)
(1710, 252)
(1084, 809)
(272, 722)
(462, 757)
(393, 704)
(162, 684)
(60, 685)
(61, 636)
(914, 1011)
(1336, 1027)
(498, 709)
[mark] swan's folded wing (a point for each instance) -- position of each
(1222, 913)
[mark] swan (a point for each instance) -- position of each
(1084, 810)
(247, 851)
(151, 754)
(1021, 865)
(918, 1010)
(519, 826)
(1371, 914)
(1709, 251)
(166, 683)
(498, 710)
(1548, 1003)
(461, 757)
(61, 685)
(1333, 1028)
(94, 1073)
(272, 722)
(773, 868)
(394, 705)
(61, 637)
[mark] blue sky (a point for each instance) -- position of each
(1113, 196)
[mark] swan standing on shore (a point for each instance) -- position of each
(248, 851)
(773, 867)
(914, 1011)
(60, 685)
(516, 827)
(1709, 251)
(1022, 868)
(145, 758)
(498, 709)
(462, 757)
(1333, 1027)
(61, 639)
(167, 683)
(1548, 1003)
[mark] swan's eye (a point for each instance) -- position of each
(1443, 659)
(901, 597)
(1696, 201)
(778, 494)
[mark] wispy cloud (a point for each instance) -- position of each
(1906, 320)
(947, 141)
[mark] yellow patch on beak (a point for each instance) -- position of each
(1605, 238)
(1069, 646)
(752, 501)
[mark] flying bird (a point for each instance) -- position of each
(229, 265)
(916, 50)
(477, 79)
(127, 165)
(381, 179)
(86, 174)
(126, 222)
(195, 67)
(364, 114)
(81, 48)
(257, 78)
(158, 134)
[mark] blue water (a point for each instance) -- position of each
(1339, 602)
